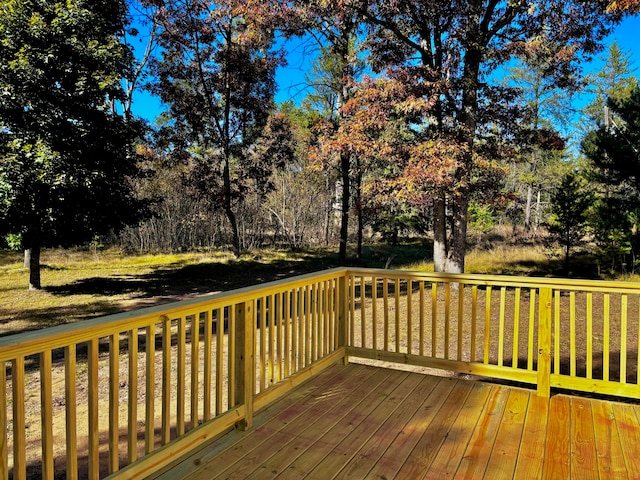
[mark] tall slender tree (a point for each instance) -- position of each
(216, 76)
(65, 156)
(459, 44)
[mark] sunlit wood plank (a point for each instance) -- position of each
(150, 389)
(409, 316)
(166, 381)
(487, 324)
(556, 335)
(286, 320)
(19, 425)
(396, 297)
(363, 315)
(385, 307)
(114, 401)
(232, 373)
(623, 338)
(295, 348)
(181, 387)
(572, 333)
(474, 322)
(207, 374)
(501, 321)
(70, 402)
(220, 360)
(532, 319)
(589, 335)
(132, 401)
(94, 459)
(434, 319)
(460, 318)
(374, 312)
(46, 414)
(516, 329)
(195, 369)
(606, 337)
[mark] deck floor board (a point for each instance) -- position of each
(362, 422)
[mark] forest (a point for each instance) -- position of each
(441, 122)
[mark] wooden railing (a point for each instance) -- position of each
(127, 395)
(573, 334)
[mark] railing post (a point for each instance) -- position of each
(343, 309)
(544, 342)
(245, 361)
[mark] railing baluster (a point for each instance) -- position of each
(544, 342)
(556, 330)
(385, 300)
(206, 361)
(352, 309)
(263, 343)
(503, 301)
(166, 380)
(295, 353)
(589, 335)
(516, 329)
(409, 315)
(70, 402)
(460, 318)
(132, 400)
(19, 426)
(181, 388)
(396, 296)
(623, 338)
(532, 320)
(4, 447)
(487, 324)
(308, 325)
(150, 389)
(606, 338)
(114, 401)
(572, 333)
(94, 459)
(286, 320)
(363, 333)
(272, 340)
(233, 367)
(447, 319)
(421, 319)
(195, 369)
(46, 411)
(220, 360)
(474, 322)
(434, 319)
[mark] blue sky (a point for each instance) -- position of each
(290, 78)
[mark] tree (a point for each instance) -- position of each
(570, 204)
(459, 44)
(66, 157)
(216, 76)
(613, 150)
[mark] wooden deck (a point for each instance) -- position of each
(357, 421)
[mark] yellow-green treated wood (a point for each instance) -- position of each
(487, 324)
(220, 360)
(363, 315)
(503, 301)
(295, 349)
(589, 363)
(93, 387)
(532, 321)
(114, 401)
(460, 318)
(272, 340)
(409, 316)
(474, 322)
(374, 312)
(70, 400)
(181, 376)
(385, 302)
(606, 339)
(4, 447)
(434, 319)
(206, 360)
(396, 297)
(307, 320)
(556, 334)
(244, 361)
(232, 359)
(150, 387)
(195, 371)
(544, 342)
(572, 333)
(165, 434)
(623, 337)
(278, 309)
(421, 320)
(447, 318)
(46, 414)
(286, 321)
(516, 328)
(352, 310)
(132, 400)
(19, 426)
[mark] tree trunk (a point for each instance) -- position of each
(344, 208)
(458, 244)
(527, 209)
(358, 203)
(34, 268)
(439, 233)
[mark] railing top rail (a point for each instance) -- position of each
(505, 280)
(33, 342)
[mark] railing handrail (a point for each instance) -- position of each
(557, 283)
(30, 343)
